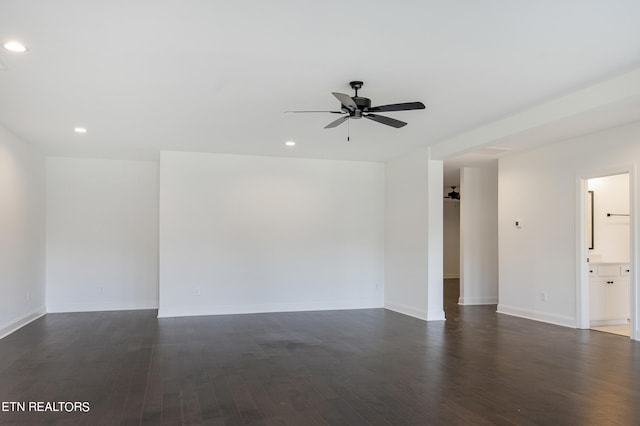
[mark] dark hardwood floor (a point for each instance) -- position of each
(353, 367)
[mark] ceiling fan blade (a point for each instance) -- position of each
(346, 100)
(336, 123)
(386, 120)
(398, 107)
(332, 112)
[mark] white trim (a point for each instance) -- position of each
(436, 315)
(16, 324)
(634, 285)
(406, 310)
(191, 311)
(451, 276)
(83, 307)
(535, 315)
(491, 300)
(582, 269)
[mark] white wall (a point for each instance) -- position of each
(435, 273)
(406, 245)
(611, 195)
(244, 234)
(102, 235)
(22, 234)
(538, 187)
(479, 235)
(451, 239)
(411, 186)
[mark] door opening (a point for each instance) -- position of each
(607, 285)
(451, 253)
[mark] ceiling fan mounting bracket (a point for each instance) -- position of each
(356, 85)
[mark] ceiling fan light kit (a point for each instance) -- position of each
(357, 107)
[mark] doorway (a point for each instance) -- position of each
(607, 286)
(451, 251)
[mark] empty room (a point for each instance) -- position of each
(329, 213)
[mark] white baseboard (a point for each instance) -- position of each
(194, 311)
(14, 325)
(535, 315)
(493, 300)
(406, 310)
(451, 276)
(77, 307)
(604, 323)
(436, 315)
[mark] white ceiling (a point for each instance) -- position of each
(213, 76)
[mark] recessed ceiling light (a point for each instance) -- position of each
(80, 130)
(15, 46)
(290, 143)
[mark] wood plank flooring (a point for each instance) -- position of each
(355, 367)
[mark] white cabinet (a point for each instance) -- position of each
(609, 299)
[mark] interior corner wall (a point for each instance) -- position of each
(245, 234)
(102, 235)
(435, 290)
(407, 235)
(479, 235)
(451, 239)
(538, 188)
(22, 233)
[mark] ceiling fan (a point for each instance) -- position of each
(357, 107)
(454, 195)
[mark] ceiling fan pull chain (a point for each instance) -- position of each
(348, 130)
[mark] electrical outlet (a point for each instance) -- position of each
(543, 296)
(197, 291)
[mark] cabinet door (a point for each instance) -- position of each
(609, 299)
(597, 299)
